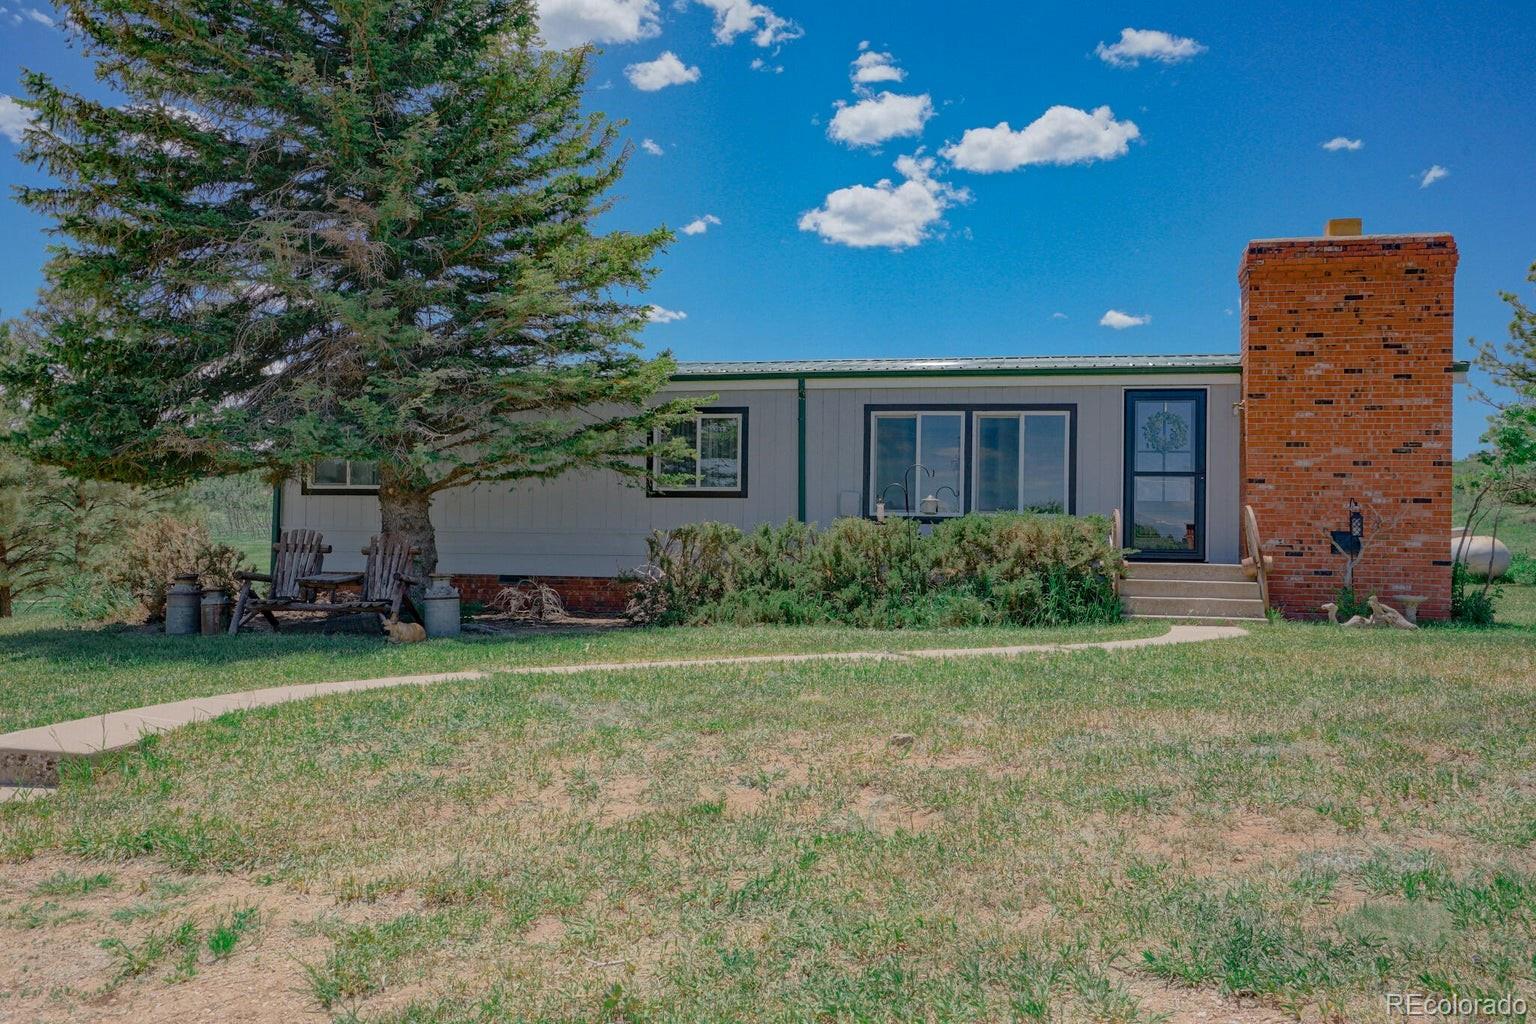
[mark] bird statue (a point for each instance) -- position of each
(1357, 622)
(1333, 613)
(1384, 615)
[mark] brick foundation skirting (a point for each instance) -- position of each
(587, 595)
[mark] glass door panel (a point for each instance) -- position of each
(1165, 474)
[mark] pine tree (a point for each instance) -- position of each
(352, 229)
(31, 547)
(1511, 462)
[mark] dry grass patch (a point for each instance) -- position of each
(1247, 831)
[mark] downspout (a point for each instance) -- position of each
(800, 443)
(277, 525)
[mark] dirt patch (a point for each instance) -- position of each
(545, 931)
(1196, 1006)
(741, 801)
(622, 798)
(887, 815)
(56, 970)
(1219, 845)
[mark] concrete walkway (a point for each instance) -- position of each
(31, 757)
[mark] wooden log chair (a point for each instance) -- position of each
(297, 554)
(383, 587)
(386, 580)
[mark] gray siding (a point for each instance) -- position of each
(583, 524)
(593, 524)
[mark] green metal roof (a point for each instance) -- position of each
(1002, 366)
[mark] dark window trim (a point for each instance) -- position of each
(967, 455)
(652, 491)
(332, 491)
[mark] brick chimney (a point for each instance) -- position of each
(1347, 377)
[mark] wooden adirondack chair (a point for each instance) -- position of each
(385, 585)
(298, 553)
(387, 580)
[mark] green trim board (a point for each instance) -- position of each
(841, 369)
(277, 526)
(968, 366)
(856, 374)
(800, 446)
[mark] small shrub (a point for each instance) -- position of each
(165, 547)
(529, 600)
(1522, 571)
(685, 569)
(1352, 604)
(91, 598)
(1472, 601)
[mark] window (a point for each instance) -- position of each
(916, 463)
(946, 462)
(715, 464)
(1021, 462)
(342, 475)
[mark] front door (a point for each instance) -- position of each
(1165, 475)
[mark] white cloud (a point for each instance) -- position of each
(1058, 316)
(1061, 135)
(651, 75)
(863, 44)
(661, 315)
(1120, 321)
(1434, 174)
(30, 14)
(886, 215)
(873, 66)
(567, 23)
(700, 225)
(758, 64)
(14, 118)
(871, 121)
(1138, 44)
(650, 146)
(734, 17)
(1339, 142)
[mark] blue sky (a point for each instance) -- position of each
(1214, 134)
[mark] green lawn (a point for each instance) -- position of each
(53, 671)
(1299, 821)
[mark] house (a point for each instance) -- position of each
(1340, 396)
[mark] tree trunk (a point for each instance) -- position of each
(406, 509)
(5, 602)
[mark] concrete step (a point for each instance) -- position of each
(1137, 587)
(1195, 607)
(1211, 571)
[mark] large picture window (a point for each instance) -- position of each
(714, 463)
(934, 463)
(1021, 462)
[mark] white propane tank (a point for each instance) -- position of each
(1483, 556)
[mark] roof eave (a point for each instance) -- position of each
(1042, 371)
